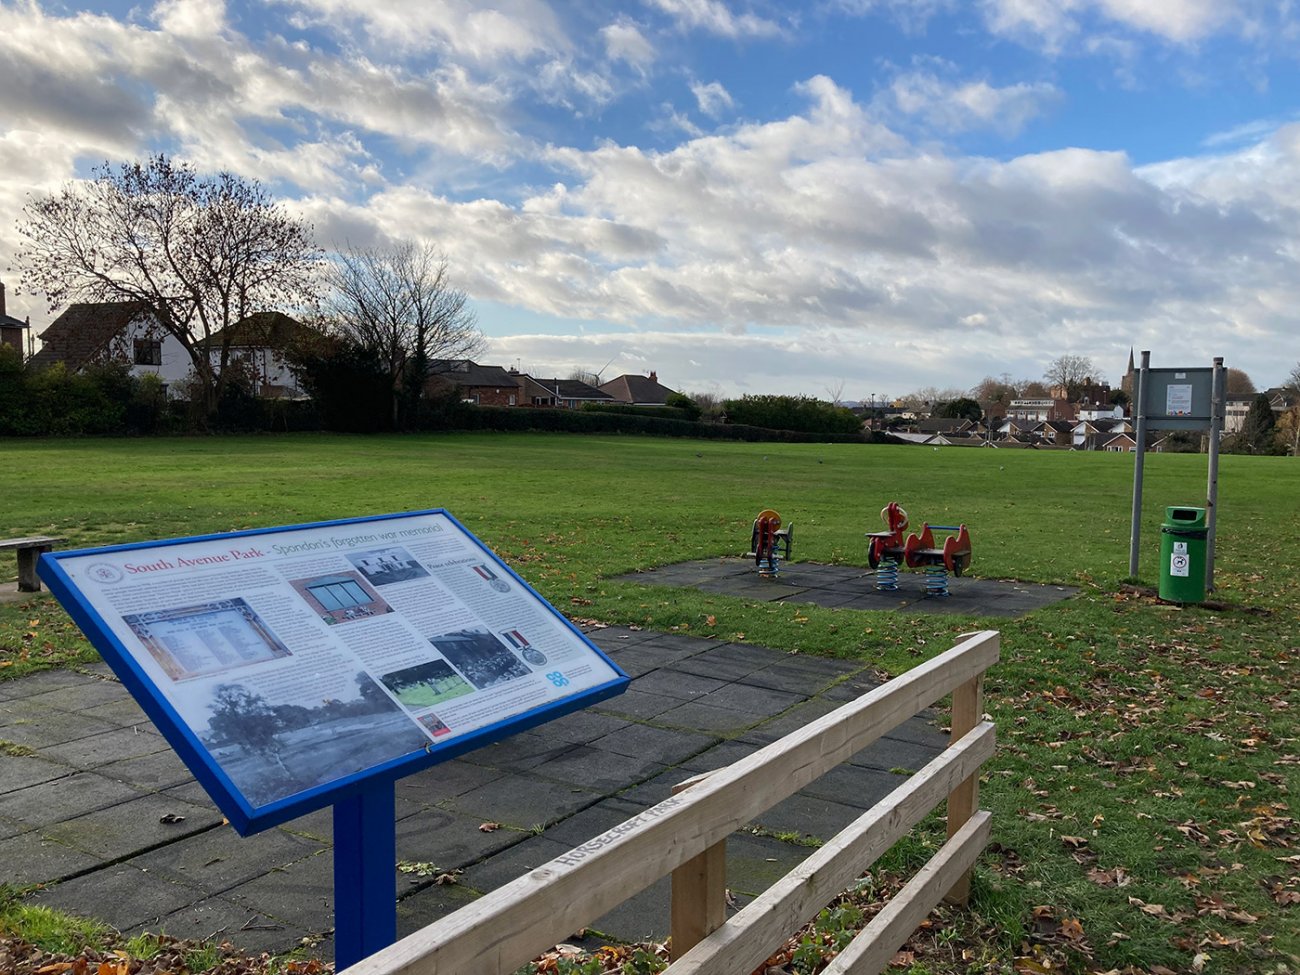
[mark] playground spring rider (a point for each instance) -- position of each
(770, 542)
(953, 557)
(885, 550)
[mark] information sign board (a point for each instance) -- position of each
(1178, 399)
(289, 667)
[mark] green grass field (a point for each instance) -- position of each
(1147, 752)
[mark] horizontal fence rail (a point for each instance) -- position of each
(685, 835)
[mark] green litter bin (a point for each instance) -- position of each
(1182, 555)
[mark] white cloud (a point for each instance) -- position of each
(508, 31)
(625, 42)
(715, 17)
(713, 99)
(1181, 22)
(955, 106)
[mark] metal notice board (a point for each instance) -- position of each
(313, 665)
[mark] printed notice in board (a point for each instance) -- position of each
(1178, 399)
(297, 658)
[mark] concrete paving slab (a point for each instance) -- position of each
(125, 713)
(82, 696)
(705, 717)
(20, 771)
(219, 859)
(442, 782)
(888, 754)
(584, 727)
(517, 753)
(64, 798)
(808, 817)
(110, 746)
(792, 720)
(592, 821)
(754, 700)
(218, 919)
(513, 863)
(422, 907)
(595, 769)
(129, 827)
(755, 863)
(524, 801)
(638, 705)
(726, 663)
(667, 746)
(849, 587)
(122, 896)
(720, 756)
(43, 728)
(853, 785)
(448, 840)
(669, 683)
(155, 772)
(300, 894)
(34, 858)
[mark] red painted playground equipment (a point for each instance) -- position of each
(770, 543)
(887, 550)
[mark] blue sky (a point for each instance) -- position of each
(862, 196)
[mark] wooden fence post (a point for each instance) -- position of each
(699, 892)
(963, 801)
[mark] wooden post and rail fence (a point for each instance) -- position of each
(685, 835)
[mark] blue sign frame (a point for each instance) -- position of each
(245, 816)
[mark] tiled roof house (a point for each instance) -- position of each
(638, 390)
(13, 332)
(481, 385)
(91, 333)
(260, 341)
(569, 394)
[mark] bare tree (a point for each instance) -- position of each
(398, 304)
(584, 376)
(198, 253)
(835, 392)
(1070, 372)
(994, 395)
(1293, 380)
(1239, 382)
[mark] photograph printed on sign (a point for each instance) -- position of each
(341, 597)
(272, 747)
(483, 659)
(196, 641)
(382, 567)
(426, 685)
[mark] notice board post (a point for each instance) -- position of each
(1178, 399)
(314, 665)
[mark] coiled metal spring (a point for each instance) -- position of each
(936, 580)
(887, 576)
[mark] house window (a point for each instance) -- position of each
(147, 352)
(512, 399)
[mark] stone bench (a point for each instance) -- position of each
(29, 553)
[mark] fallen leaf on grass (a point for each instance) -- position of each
(1074, 842)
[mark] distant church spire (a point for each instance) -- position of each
(1126, 383)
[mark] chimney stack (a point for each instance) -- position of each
(2, 299)
(654, 376)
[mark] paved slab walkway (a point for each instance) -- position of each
(852, 587)
(95, 806)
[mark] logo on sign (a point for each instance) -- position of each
(1178, 565)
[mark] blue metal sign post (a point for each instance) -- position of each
(314, 665)
(365, 854)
